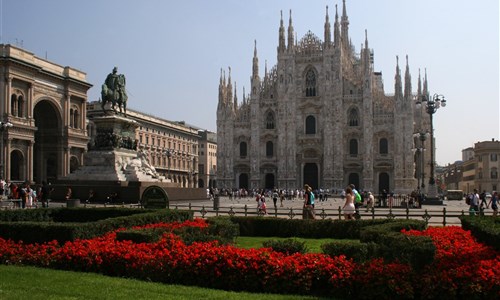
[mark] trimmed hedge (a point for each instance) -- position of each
(219, 229)
(392, 245)
(354, 249)
(339, 229)
(288, 246)
(485, 229)
(47, 230)
(149, 235)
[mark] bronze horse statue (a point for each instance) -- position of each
(113, 91)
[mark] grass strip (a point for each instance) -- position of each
(46, 284)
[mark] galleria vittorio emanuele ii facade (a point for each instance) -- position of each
(321, 116)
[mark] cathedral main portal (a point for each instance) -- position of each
(310, 175)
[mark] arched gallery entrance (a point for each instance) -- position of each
(48, 150)
(18, 166)
(311, 176)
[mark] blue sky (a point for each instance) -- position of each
(172, 51)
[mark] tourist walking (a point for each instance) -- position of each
(494, 203)
(275, 198)
(474, 203)
(370, 201)
(348, 207)
(308, 208)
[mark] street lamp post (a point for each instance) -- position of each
(3, 127)
(422, 136)
(431, 105)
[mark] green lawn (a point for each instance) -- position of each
(45, 284)
(313, 245)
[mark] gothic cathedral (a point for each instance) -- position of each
(320, 116)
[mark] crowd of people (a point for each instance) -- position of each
(29, 195)
(365, 199)
(478, 202)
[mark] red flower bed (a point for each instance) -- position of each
(463, 267)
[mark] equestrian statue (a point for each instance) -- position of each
(113, 90)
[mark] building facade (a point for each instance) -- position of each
(171, 147)
(486, 157)
(207, 153)
(320, 116)
(478, 170)
(44, 105)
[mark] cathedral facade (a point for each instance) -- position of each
(320, 116)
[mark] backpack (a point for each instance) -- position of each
(358, 197)
(468, 199)
(311, 198)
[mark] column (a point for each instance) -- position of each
(8, 92)
(6, 154)
(29, 101)
(29, 173)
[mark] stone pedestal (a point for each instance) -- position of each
(113, 168)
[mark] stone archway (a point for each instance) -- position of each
(270, 183)
(243, 181)
(17, 166)
(383, 182)
(354, 179)
(311, 175)
(48, 150)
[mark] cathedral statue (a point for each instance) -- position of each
(113, 91)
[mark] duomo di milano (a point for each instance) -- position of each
(320, 116)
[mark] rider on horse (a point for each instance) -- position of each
(113, 90)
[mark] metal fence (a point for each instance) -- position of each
(441, 217)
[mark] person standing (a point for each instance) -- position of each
(308, 209)
(69, 194)
(2, 186)
(348, 207)
(44, 194)
(390, 200)
(357, 198)
(482, 197)
(383, 198)
(23, 194)
(494, 203)
(370, 202)
(275, 198)
(474, 203)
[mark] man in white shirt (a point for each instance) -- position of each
(474, 203)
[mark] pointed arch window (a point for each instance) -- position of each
(310, 125)
(383, 146)
(353, 147)
(270, 120)
(310, 83)
(269, 149)
(243, 149)
(353, 117)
